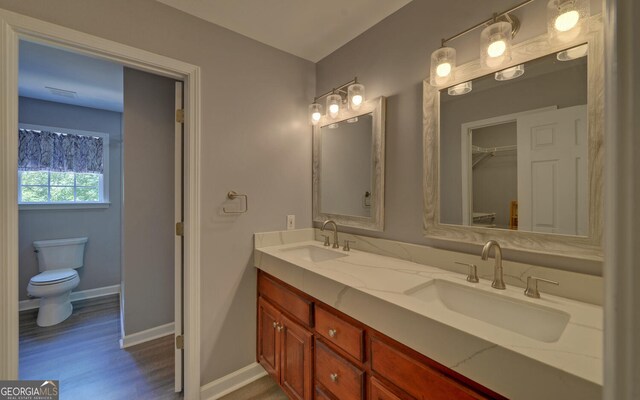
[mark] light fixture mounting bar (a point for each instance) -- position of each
(486, 21)
(337, 89)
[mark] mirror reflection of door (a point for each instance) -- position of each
(346, 167)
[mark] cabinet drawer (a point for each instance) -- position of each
(340, 377)
(377, 391)
(415, 378)
(295, 305)
(341, 333)
(322, 395)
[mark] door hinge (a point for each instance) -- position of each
(179, 228)
(180, 342)
(180, 116)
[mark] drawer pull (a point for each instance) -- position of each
(334, 377)
(333, 333)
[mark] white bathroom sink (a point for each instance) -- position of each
(313, 253)
(523, 317)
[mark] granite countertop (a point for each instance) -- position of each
(362, 281)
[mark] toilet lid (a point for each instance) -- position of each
(53, 276)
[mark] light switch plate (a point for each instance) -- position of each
(291, 222)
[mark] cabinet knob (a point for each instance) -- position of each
(280, 327)
(275, 324)
(333, 332)
(334, 377)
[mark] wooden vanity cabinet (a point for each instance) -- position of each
(316, 352)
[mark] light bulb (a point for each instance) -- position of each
(355, 94)
(567, 20)
(333, 105)
(443, 64)
(443, 69)
(315, 113)
(497, 48)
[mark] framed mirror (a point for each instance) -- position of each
(348, 167)
(515, 154)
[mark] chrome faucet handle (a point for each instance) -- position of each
(326, 240)
(532, 286)
(473, 272)
(346, 245)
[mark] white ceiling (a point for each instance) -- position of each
(96, 83)
(308, 29)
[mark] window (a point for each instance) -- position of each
(62, 167)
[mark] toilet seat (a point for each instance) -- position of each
(53, 277)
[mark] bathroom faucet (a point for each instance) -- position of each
(335, 232)
(498, 279)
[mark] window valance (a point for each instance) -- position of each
(60, 152)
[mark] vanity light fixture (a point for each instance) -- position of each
(573, 53)
(495, 40)
(460, 89)
(510, 73)
(351, 95)
(566, 19)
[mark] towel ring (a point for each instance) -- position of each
(232, 195)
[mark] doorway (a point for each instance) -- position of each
(19, 27)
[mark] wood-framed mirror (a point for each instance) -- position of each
(520, 160)
(348, 167)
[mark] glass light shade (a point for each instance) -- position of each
(315, 113)
(510, 73)
(573, 53)
(460, 89)
(356, 95)
(443, 64)
(567, 19)
(495, 44)
(334, 102)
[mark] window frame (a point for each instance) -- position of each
(103, 185)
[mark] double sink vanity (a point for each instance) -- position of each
(417, 330)
(515, 162)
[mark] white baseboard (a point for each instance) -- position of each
(232, 382)
(75, 296)
(146, 335)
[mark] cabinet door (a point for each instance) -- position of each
(377, 391)
(296, 352)
(268, 346)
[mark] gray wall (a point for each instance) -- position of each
(256, 140)
(346, 167)
(101, 226)
(148, 207)
(392, 59)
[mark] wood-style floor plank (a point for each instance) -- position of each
(83, 353)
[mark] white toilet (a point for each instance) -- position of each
(57, 261)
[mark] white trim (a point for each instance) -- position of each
(232, 382)
(75, 296)
(465, 148)
(14, 27)
(61, 206)
(146, 335)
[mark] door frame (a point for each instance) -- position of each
(14, 27)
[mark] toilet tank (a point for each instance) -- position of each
(60, 253)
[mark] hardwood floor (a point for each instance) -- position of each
(83, 353)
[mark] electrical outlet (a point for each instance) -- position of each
(291, 222)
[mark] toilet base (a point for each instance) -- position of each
(54, 309)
